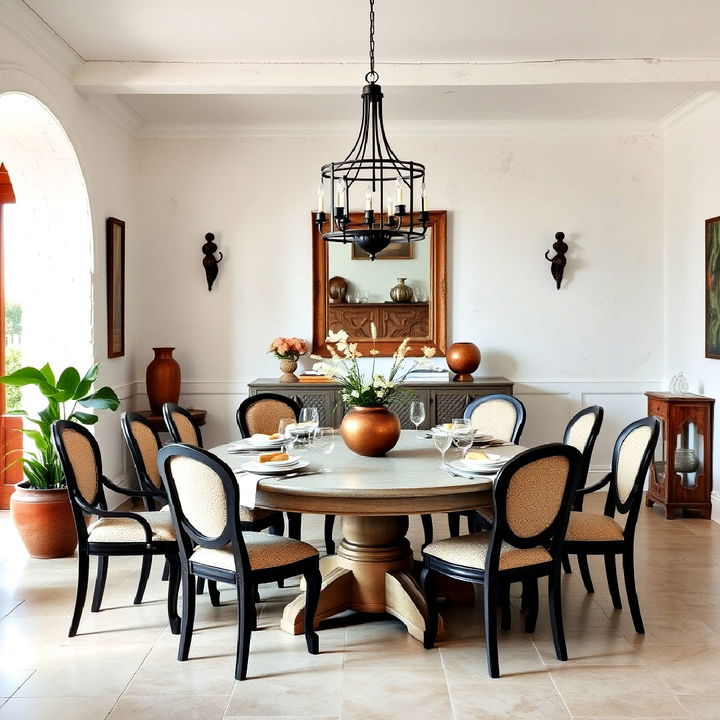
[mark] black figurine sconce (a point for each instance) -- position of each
(210, 263)
(558, 262)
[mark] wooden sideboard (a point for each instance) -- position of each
(392, 320)
(443, 400)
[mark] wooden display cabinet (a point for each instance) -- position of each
(681, 476)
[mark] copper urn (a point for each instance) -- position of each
(463, 358)
(370, 431)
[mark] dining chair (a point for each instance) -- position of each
(183, 429)
(532, 498)
(595, 534)
(262, 413)
(582, 432)
(204, 504)
(503, 417)
(114, 532)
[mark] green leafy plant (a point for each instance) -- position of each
(64, 395)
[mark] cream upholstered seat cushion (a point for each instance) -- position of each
(496, 417)
(264, 551)
(116, 530)
(593, 527)
(471, 551)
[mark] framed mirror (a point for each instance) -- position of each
(403, 291)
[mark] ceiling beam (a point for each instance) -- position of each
(125, 78)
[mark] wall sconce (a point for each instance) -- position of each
(558, 262)
(210, 263)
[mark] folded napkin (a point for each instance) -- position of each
(247, 483)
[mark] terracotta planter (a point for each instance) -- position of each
(463, 358)
(370, 431)
(44, 521)
(162, 379)
(288, 368)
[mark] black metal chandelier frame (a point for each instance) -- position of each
(372, 161)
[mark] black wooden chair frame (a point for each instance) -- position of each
(496, 581)
(631, 508)
(244, 578)
(103, 550)
(472, 519)
(294, 518)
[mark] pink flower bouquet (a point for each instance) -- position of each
(288, 348)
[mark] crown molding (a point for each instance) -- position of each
(120, 112)
(25, 24)
(511, 128)
(693, 107)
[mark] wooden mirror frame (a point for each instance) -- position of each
(438, 293)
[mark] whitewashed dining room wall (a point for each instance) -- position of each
(596, 340)
(692, 194)
(32, 62)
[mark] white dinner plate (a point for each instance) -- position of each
(292, 460)
(480, 466)
(477, 435)
(259, 441)
(263, 469)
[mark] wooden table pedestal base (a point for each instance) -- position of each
(372, 572)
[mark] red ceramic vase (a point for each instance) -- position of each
(162, 379)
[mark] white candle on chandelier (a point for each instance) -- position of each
(321, 199)
(423, 191)
(391, 207)
(399, 188)
(340, 196)
(368, 199)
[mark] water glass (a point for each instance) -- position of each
(463, 437)
(324, 442)
(310, 417)
(417, 414)
(442, 439)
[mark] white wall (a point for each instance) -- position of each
(598, 339)
(692, 194)
(108, 158)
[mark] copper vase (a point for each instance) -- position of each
(44, 521)
(162, 379)
(463, 359)
(370, 431)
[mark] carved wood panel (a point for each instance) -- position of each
(407, 321)
(354, 319)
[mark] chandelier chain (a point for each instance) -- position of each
(372, 76)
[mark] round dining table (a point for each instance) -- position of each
(372, 570)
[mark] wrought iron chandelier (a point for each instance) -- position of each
(373, 167)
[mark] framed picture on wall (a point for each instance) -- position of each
(394, 251)
(115, 231)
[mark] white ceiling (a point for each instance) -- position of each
(407, 30)
(455, 63)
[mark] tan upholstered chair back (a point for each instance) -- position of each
(535, 493)
(201, 495)
(629, 460)
(145, 440)
(495, 417)
(264, 416)
(579, 432)
(186, 429)
(82, 459)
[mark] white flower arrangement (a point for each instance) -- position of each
(356, 390)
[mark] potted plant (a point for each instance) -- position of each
(369, 428)
(40, 506)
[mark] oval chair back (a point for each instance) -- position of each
(81, 463)
(532, 497)
(582, 432)
(204, 502)
(144, 444)
(632, 455)
(181, 426)
(502, 416)
(262, 413)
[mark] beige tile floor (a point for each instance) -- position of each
(123, 665)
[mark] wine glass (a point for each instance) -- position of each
(288, 438)
(462, 437)
(309, 416)
(417, 414)
(324, 443)
(442, 439)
